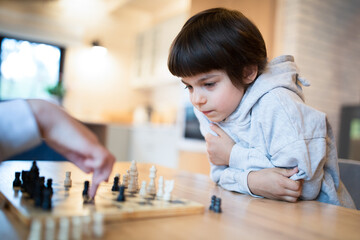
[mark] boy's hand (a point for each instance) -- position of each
(218, 147)
(274, 183)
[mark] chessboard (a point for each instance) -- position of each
(68, 202)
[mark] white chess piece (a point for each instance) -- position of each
(133, 183)
(76, 228)
(98, 225)
(169, 186)
(67, 181)
(151, 189)
(125, 180)
(86, 220)
(50, 229)
(142, 191)
(35, 230)
(160, 192)
(63, 233)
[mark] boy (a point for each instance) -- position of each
(258, 130)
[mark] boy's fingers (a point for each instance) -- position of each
(217, 129)
(288, 172)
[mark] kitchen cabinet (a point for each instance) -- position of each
(152, 48)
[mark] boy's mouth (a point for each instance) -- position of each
(206, 112)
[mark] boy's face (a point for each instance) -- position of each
(213, 94)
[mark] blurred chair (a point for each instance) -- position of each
(350, 175)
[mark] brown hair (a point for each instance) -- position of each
(217, 39)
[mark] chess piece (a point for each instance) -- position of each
(160, 192)
(63, 232)
(98, 225)
(121, 196)
(46, 201)
(38, 191)
(85, 192)
(169, 186)
(24, 178)
(125, 180)
(17, 181)
(67, 181)
(133, 183)
(34, 169)
(115, 186)
(76, 228)
(217, 206)
(50, 228)
(142, 191)
(213, 198)
(49, 185)
(35, 230)
(151, 189)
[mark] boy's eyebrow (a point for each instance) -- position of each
(203, 78)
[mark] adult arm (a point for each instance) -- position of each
(73, 140)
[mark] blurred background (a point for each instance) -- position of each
(105, 61)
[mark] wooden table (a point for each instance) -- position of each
(243, 217)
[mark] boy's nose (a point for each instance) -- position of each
(198, 98)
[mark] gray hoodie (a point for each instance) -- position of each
(272, 127)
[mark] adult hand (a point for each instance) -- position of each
(74, 141)
(218, 147)
(274, 183)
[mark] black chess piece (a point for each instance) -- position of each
(213, 198)
(49, 185)
(34, 168)
(115, 186)
(38, 192)
(217, 206)
(86, 189)
(17, 181)
(46, 199)
(24, 178)
(121, 196)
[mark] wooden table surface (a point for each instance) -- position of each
(243, 217)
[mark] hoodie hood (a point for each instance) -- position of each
(281, 72)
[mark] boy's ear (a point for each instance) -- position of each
(250, 73)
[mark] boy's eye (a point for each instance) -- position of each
(210, 84)
(188, 87)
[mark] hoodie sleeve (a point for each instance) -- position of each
(18, 128)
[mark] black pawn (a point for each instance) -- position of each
(121, 197)
(86, 189)
(17, 181)
(49, 185)
(24, 178)
(217, 207)
(213, 198)
(46, 201)
(115, 186)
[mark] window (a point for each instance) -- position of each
(29, 69)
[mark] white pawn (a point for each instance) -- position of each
(76, 228)
(35, 230)
(142, 191)
(98, 225)
(67, 181)
(169, 186)
(160, 192)
(151, 189)
(50, 228)
(63, 233)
